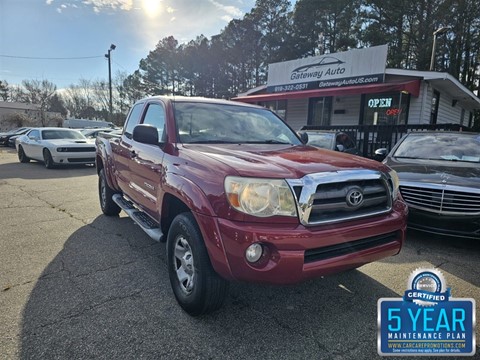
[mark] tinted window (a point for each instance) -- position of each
(155, 116)
(61, 134)
(133, 119)
(344, 139)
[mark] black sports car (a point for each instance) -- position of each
(439, 175)
(5, 137)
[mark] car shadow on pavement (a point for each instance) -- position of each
(36, 170)
(106, 295)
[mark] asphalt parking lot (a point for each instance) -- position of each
(75, 284)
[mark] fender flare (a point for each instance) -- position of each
(188, 192)
(104, 160)
(196, 200)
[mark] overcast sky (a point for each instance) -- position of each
(33, 30)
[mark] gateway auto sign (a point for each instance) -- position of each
(354, 67)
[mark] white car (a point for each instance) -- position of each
(55, 146)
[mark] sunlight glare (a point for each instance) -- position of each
(152, 8)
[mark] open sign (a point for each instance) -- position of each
(380, 103)
(393, 111)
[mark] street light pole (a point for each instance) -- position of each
(439, 31)
(108, 56)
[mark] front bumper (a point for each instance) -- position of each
(297, 253)
(73, 158)
(458, 226)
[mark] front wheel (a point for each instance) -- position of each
(47, 159)
(105, 193)
(197, 287)
(21, 155)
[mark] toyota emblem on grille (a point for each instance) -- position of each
(354, 197)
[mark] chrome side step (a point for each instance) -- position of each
(145, 222)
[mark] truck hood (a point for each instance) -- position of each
(274, 161)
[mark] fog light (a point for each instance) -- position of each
(254, 252)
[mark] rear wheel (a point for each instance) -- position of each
(197, 287)
(47, 159)
(21, 155)
(105, 193)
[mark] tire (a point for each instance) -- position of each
(21, 155)
(105, 193)
(197, 287)
(47, 159)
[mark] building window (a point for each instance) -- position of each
(386, 108)
(319, 111)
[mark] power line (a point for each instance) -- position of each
(50, 58)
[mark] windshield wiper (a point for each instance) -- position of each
(211, 142)
(271, 141)
(434, 159)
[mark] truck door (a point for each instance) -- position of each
(122, 153)
(146, 167)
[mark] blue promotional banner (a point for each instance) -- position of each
(426, 321)
(405, 328)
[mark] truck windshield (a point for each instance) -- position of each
(218, 123)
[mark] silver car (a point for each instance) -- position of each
(55, 146)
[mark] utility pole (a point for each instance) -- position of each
(439, 31)
(108, 56)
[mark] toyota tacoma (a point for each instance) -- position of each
(237, 196)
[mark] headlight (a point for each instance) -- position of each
(62, 149)
(260, 197)
(395, 183)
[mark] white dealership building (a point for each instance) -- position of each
(356, 88)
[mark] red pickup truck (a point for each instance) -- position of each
(237, 196)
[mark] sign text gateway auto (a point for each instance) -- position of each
(354, 67)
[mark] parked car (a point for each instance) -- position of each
(332, 140)
(13, 139)
(439, 176)
(5, 137)
(55, 146)
(93, 133)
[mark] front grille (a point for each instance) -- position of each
(442, 199)
(340, 196)
(81, 160)
(330, 200)
(81, 149)
(333, 251)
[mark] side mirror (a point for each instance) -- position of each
(303, 137)
(340, 148)
(380, 154)
(146, 134)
